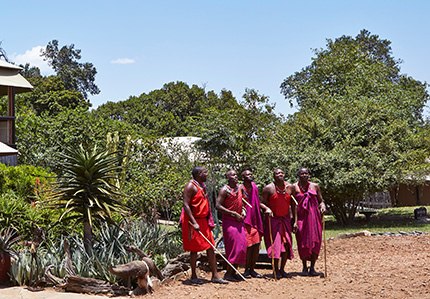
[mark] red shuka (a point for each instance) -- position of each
(280, 204)
(192, 240)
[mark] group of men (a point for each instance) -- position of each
(287, 208)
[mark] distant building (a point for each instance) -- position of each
(11, 83)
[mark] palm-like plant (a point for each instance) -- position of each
(87, 189)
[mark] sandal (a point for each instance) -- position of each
(196, 280)
(255, 274)
(219, 280)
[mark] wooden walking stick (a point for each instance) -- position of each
(213, 246)
(271, 245)
(246, 202)
(325, 249)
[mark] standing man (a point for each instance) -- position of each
(253, 223)
(196, 217)
(277, 203)
(229, 203)
(308, 236)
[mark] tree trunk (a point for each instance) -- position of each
(88, 237)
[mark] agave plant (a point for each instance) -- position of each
(8, 238)
(86, 190)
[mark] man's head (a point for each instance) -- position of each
(247, 176)
(231, 177)
(278, 175)
(199, 173)
(303, 175)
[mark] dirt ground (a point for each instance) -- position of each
(360, 267)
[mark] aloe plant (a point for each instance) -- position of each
(8, 238)
(85, 191)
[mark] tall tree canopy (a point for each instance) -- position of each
(168, 111)
(75, 75)
(359, 128)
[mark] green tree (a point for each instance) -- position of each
(41, 138)
(50, 97)
(75, 75)
(359, 128)
(168, 111)
(86, 190)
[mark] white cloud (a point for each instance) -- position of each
(122, 61)
(34, 59)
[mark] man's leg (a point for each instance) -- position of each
(255, 254)
(212, 263)
(277, 273)
(305, 268)
(312, 271)
(248, 265)
(193, 262)
(284, 258)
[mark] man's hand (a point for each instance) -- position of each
(196, 227)
(269, 212)
(295, 227)
(322, 208)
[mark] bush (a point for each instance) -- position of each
(162, 243)
(26, 181)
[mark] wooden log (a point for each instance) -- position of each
(79, 284)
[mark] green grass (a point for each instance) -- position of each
(390, 219)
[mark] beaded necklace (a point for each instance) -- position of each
(230, 190)
(283, 191)
(303, 189)
(201, 187)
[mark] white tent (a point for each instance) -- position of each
(6, 150)
(9, 76)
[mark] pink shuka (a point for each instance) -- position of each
(233, 231)
(234, 235)
(281, 234)
(309, 222)
(253, 217)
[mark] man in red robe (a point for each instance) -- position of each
(308, 236)
(196, 218)
(229, 203)
(277, 232)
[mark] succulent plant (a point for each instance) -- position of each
(8, 238)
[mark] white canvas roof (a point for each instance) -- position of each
(9, 77)
(6, 150)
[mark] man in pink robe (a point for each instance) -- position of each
(229, 203)
(309, 233)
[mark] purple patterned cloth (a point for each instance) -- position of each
(281, 235)
(309, 234)
(253, 216)
(234, 235)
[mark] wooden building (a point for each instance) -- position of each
(11, 83)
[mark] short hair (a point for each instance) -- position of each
(245, 171)
(276, 170)
(196, 171)
(303, 168)
(226, 173)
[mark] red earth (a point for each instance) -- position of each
(360, 267)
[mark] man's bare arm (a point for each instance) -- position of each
(189, 192)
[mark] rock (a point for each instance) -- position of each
(345, 235)
(363, 233)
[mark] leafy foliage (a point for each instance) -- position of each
(86, 190)
(359, 128)
(8, 238)
(75, 75)
(168, 111)
(108, 249)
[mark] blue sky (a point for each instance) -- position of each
(138, 46)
